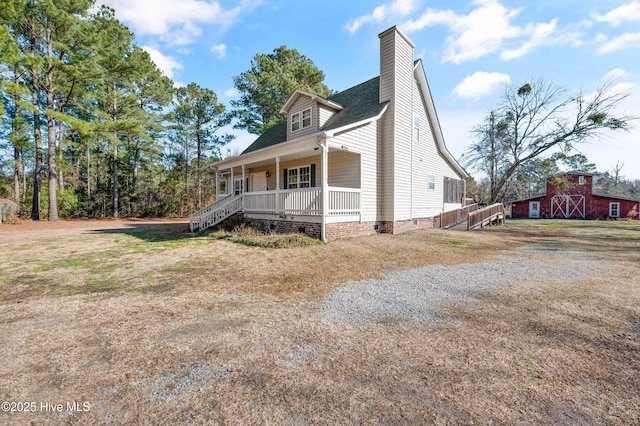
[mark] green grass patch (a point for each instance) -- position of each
(163, 240)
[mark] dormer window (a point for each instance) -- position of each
(306, 119)
(295, 122)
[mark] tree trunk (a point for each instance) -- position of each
(199, 169)
(53, 174)
(88, 172)
(16, 149)
(16, 175)
(24, 178)
(51, 132)
(37, 135)
(60, 154)
(136, 165)
(116, 195)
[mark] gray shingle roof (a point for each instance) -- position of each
(272, 136)
(359, 103)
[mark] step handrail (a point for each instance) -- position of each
(202, 216)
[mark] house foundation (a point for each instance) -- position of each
(334, 231)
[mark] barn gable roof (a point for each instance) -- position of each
(596, 194)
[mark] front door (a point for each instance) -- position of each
(258, 181)
(534, 209)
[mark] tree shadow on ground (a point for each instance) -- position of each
(151, 232)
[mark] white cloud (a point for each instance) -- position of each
(540, 34)
(485, 30)
(626, 12)
(392, 10)
(175, 21)
(230, 93)
(621, 42)
(166, 63)
(601, 38)
(220, 50)
(480, 84)
(615, 74)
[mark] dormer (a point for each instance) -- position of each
(307, 113)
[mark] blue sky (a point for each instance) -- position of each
(470, 50)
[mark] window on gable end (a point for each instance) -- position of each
(416, 128)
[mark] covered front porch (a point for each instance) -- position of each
(307, 182)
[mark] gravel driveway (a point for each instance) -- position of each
(420, 295)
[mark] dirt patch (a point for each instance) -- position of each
(147, 324)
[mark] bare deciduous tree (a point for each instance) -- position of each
(535, 118)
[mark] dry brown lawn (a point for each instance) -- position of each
(148, 325)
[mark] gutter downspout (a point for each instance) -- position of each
(321, 141)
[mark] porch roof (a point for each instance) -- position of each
(359, 103)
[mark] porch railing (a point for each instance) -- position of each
(304, 201)
(307, 201)
(344, 201)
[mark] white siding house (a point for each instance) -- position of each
(369, 159)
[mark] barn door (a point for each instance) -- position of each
(568, 206)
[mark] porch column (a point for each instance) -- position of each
(233, 184)
(277, 185)
(325, 185)
(243, 181)
(217, 185)
(242, 185)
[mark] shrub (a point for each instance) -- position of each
(250, 237)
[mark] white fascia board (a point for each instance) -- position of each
(331, 133)
(283, 148)
(294, 97)
(420, 75)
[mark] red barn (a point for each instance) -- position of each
(571, 196)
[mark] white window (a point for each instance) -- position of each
(306, 118)
(299, 177)
(295, 122)
(238, 186)
(432, 183)
(580, 180)
(614, 209)
(416, 128)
